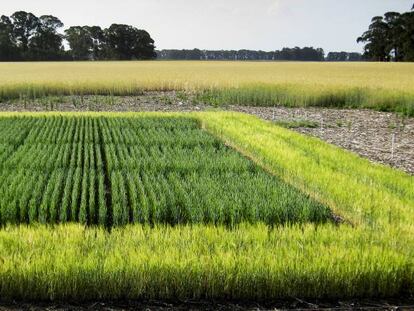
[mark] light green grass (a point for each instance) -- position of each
(202, 262)
(291, 124)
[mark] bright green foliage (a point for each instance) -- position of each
(250, 262)
(149, 170)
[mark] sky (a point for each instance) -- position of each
(266, 25)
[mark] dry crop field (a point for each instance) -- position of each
(104, 206)
(381, 86)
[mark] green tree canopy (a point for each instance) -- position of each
(8, 47)
(24, 36)
(24, 27)
(46, 43)
(126, 42)
(390, 37)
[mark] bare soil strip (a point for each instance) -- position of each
(294, 304)
(379, 136)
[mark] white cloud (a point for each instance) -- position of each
(274, 7)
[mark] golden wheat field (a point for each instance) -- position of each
(382, 86)
(201, 74)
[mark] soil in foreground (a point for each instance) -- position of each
(294, 304)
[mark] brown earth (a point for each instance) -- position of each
(381, 137)
(293, 304)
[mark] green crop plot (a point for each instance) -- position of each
(196, 212)
(149, 170)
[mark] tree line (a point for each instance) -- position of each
(344, 57)
(286, 54)
(390, 37)
(298, 54)
(24, 36)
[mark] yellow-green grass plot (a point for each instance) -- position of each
(383, 86)
(371, 255)
(69, 262)
(362, 192)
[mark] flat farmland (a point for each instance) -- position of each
(380, 86)
(149, 170)
(135, 174)
(237, 209)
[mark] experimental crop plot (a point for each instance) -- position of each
(151, 170)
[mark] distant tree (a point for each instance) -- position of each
(98, 41)
(343, 57)
(376, 40)
(80, 42)
(390, 37)
(85, 42)
(25, 26)
(126, 42)
(46, 43)
(407, 36)
(337, 57)
(299, 54)
(8, 47)
(394, 31)
(194, 54)
(354, 57)
(24, 36)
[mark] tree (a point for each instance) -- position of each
(407, 36)
(343, 57)
(300, 54)
(8, 47)
(390, 37)
(98, 41)
(80, 42)
(377, 40)
(46, 43)
(24, 27)
(394, 31)
(354, 57)
(126, 42)
(85, 42)
(24, 36)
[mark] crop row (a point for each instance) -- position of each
(115, 171)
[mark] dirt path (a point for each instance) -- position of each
(381, 137)
(292, 304)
